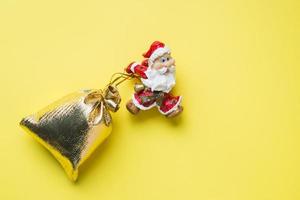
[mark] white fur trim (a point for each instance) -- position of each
(156, 83)
(172, 109)
(137, 104)
(158, 52)
(133, 65)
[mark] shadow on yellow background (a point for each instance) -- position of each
(237, 68)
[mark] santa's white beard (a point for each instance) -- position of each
(160, 80)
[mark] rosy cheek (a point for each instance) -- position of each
(157, 66)
(162, 65)
(172, 62)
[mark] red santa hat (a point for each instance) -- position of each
(156, 50)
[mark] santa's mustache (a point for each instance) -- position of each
(165, 70)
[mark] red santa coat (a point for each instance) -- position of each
(146, 99)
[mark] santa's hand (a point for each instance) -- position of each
(129, 67)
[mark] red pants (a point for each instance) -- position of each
(165, 102)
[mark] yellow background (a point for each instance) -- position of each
(237, 68)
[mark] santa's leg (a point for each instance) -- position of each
(133, 109)
(141, 100)
(170, 106)
(176, 112)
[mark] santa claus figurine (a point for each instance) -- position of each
(157, 75)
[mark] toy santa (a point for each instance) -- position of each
(157, 76)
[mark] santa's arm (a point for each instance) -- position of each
(136, 68)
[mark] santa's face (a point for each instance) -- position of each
(163, 61)
(161, 75)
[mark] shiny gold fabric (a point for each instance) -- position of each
(74, 126)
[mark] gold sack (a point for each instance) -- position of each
(74, 126)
